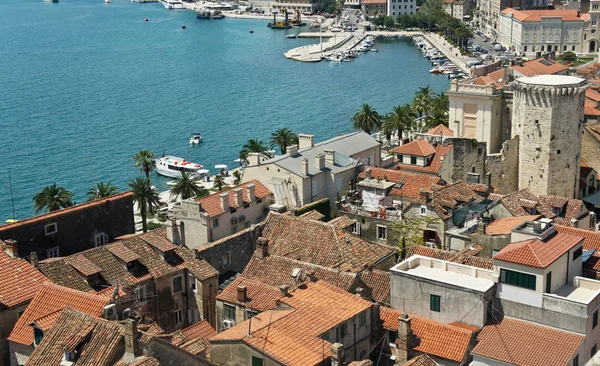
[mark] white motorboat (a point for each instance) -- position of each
(172, 4)
(108, 1)
(196, 138)
(50, 1)
(172, 166)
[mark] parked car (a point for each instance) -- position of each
(497, 47)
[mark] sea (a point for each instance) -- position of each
(84, 85)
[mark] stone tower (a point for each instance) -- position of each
(548, 118)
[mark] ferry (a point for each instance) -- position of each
(172, 4)
(172, 166)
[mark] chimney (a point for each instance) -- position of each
(33, 258)
(241, 293)
(305, 140)
(337, 354)
(132, 348)
(224, 201)
(320, 161)
(292, 150)
(251, 192)
(330, 156)
(262, 247)
(239, 197)
(404, 351)
(11, 244)
(284, 290)
(305, 166)
(368, 173)
(312, 275)
(360, 291)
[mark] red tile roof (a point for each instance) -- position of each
(536, 253)
(260, 296)
(212, 204)
(516, 203)
(497, 78)
(379, 283)
(592, 94)
(519, 342)
(194, 339)
(412, 183)
(294, 336)
(122, 252)
(420, 147)
(83, 265)
(441, 130)
(537, 15)
(466, 256)
(64, 211)
(540, 66)
(448, 197)
(591, 239)
(505, 225)
(19, 281)
(421, 360)
(433, 338)
(50, 299)
(434, 166)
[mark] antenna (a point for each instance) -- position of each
(12, 198)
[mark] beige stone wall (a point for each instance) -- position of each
(8, 319)
(504, 167)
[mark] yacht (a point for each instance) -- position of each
(172, 166)
(196, 138)
(172, 4)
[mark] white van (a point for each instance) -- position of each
(472, 63)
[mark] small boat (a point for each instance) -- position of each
(374, 50)
(172, 4)
(50, 1)
(291, 36)
(196, 138)
(172, 166)
(108, 1)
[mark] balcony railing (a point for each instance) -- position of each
(382, 213)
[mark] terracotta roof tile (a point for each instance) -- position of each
(420, 147)
(523, 343)
(83, 265)
(465, 256)
(451, 196)
(537, 15)
(313, 215)
(441, 130)
(19, 281)
(158, 241)
(507, 224)
(411, 183)
(212, 204)
(434, 166)
(591, 239)
(194, 339)
(421, 360)
(536, 253)
(516, 202)
(122, 252)
(50, 299)
(379, 283)
(593, 95)
(320, 243)
(342, 222)
(433, 338)
(540, 66)
(260, 296)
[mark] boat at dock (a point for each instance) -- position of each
(292, 35)
(172, 4)
(172, 166)
(209, 14)
(280, 25)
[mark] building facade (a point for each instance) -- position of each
(401, 7)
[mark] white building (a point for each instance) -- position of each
(457, 8)
(401, 7)
(591, 28)
(530, 31)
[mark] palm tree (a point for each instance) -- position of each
(187, 186)
(145, 196)
(101, 190)
(388, 127)
(144, 160)
(283, 138)
(254, 146)
(219, 181)
(421, 101)
(52, 198)
(367, 119)
(400, 119)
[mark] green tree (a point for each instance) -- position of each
(144, 160)
(145, 196)
(422, 100)
(254, 146)
(186, 186)
(438, 111)
(367, 119)
(283, 138)
(411, 229)
(101, 190)
(569, 56)
(389, 22)
(52, 198)
(219, 182)
(400, 119)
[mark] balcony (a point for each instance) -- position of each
(392, 213)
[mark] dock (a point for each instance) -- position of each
(333, 42)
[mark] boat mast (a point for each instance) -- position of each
(12, 199)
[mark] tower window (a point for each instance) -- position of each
(557, 152)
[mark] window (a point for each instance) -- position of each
(413, 160)
(494, 252)
(229, 312)
(557, 152)
(434, 303)
(595, 319)
(234, 229)
(257, 361)
(216, 222)
(193, 282)
(423, 210)
(381, 232)
(577, 253)
(177, 284)
(573, 49)
(549, 282)
(362, 319)
(247, 224)
(38, 335)
(517, 279)
(51, 229)
(594, 349)
(226, 259)
(100, 239)
(178, 316)
(576, 360)
(53, 252)
(356, 228)
(341, 331)
(251, 313)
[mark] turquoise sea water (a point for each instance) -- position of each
(84, 85)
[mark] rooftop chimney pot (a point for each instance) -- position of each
(292, 150)
(224, 201)
(284, 290)
(132, 349)
(241, 293)
(305, 166)
(239, 197)
(305, 140)
(251, 192)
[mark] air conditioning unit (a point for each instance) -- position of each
(126, 314)
(430, 244)
(234, 220)
(242, 218)
(110, 312)
(228, 324)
